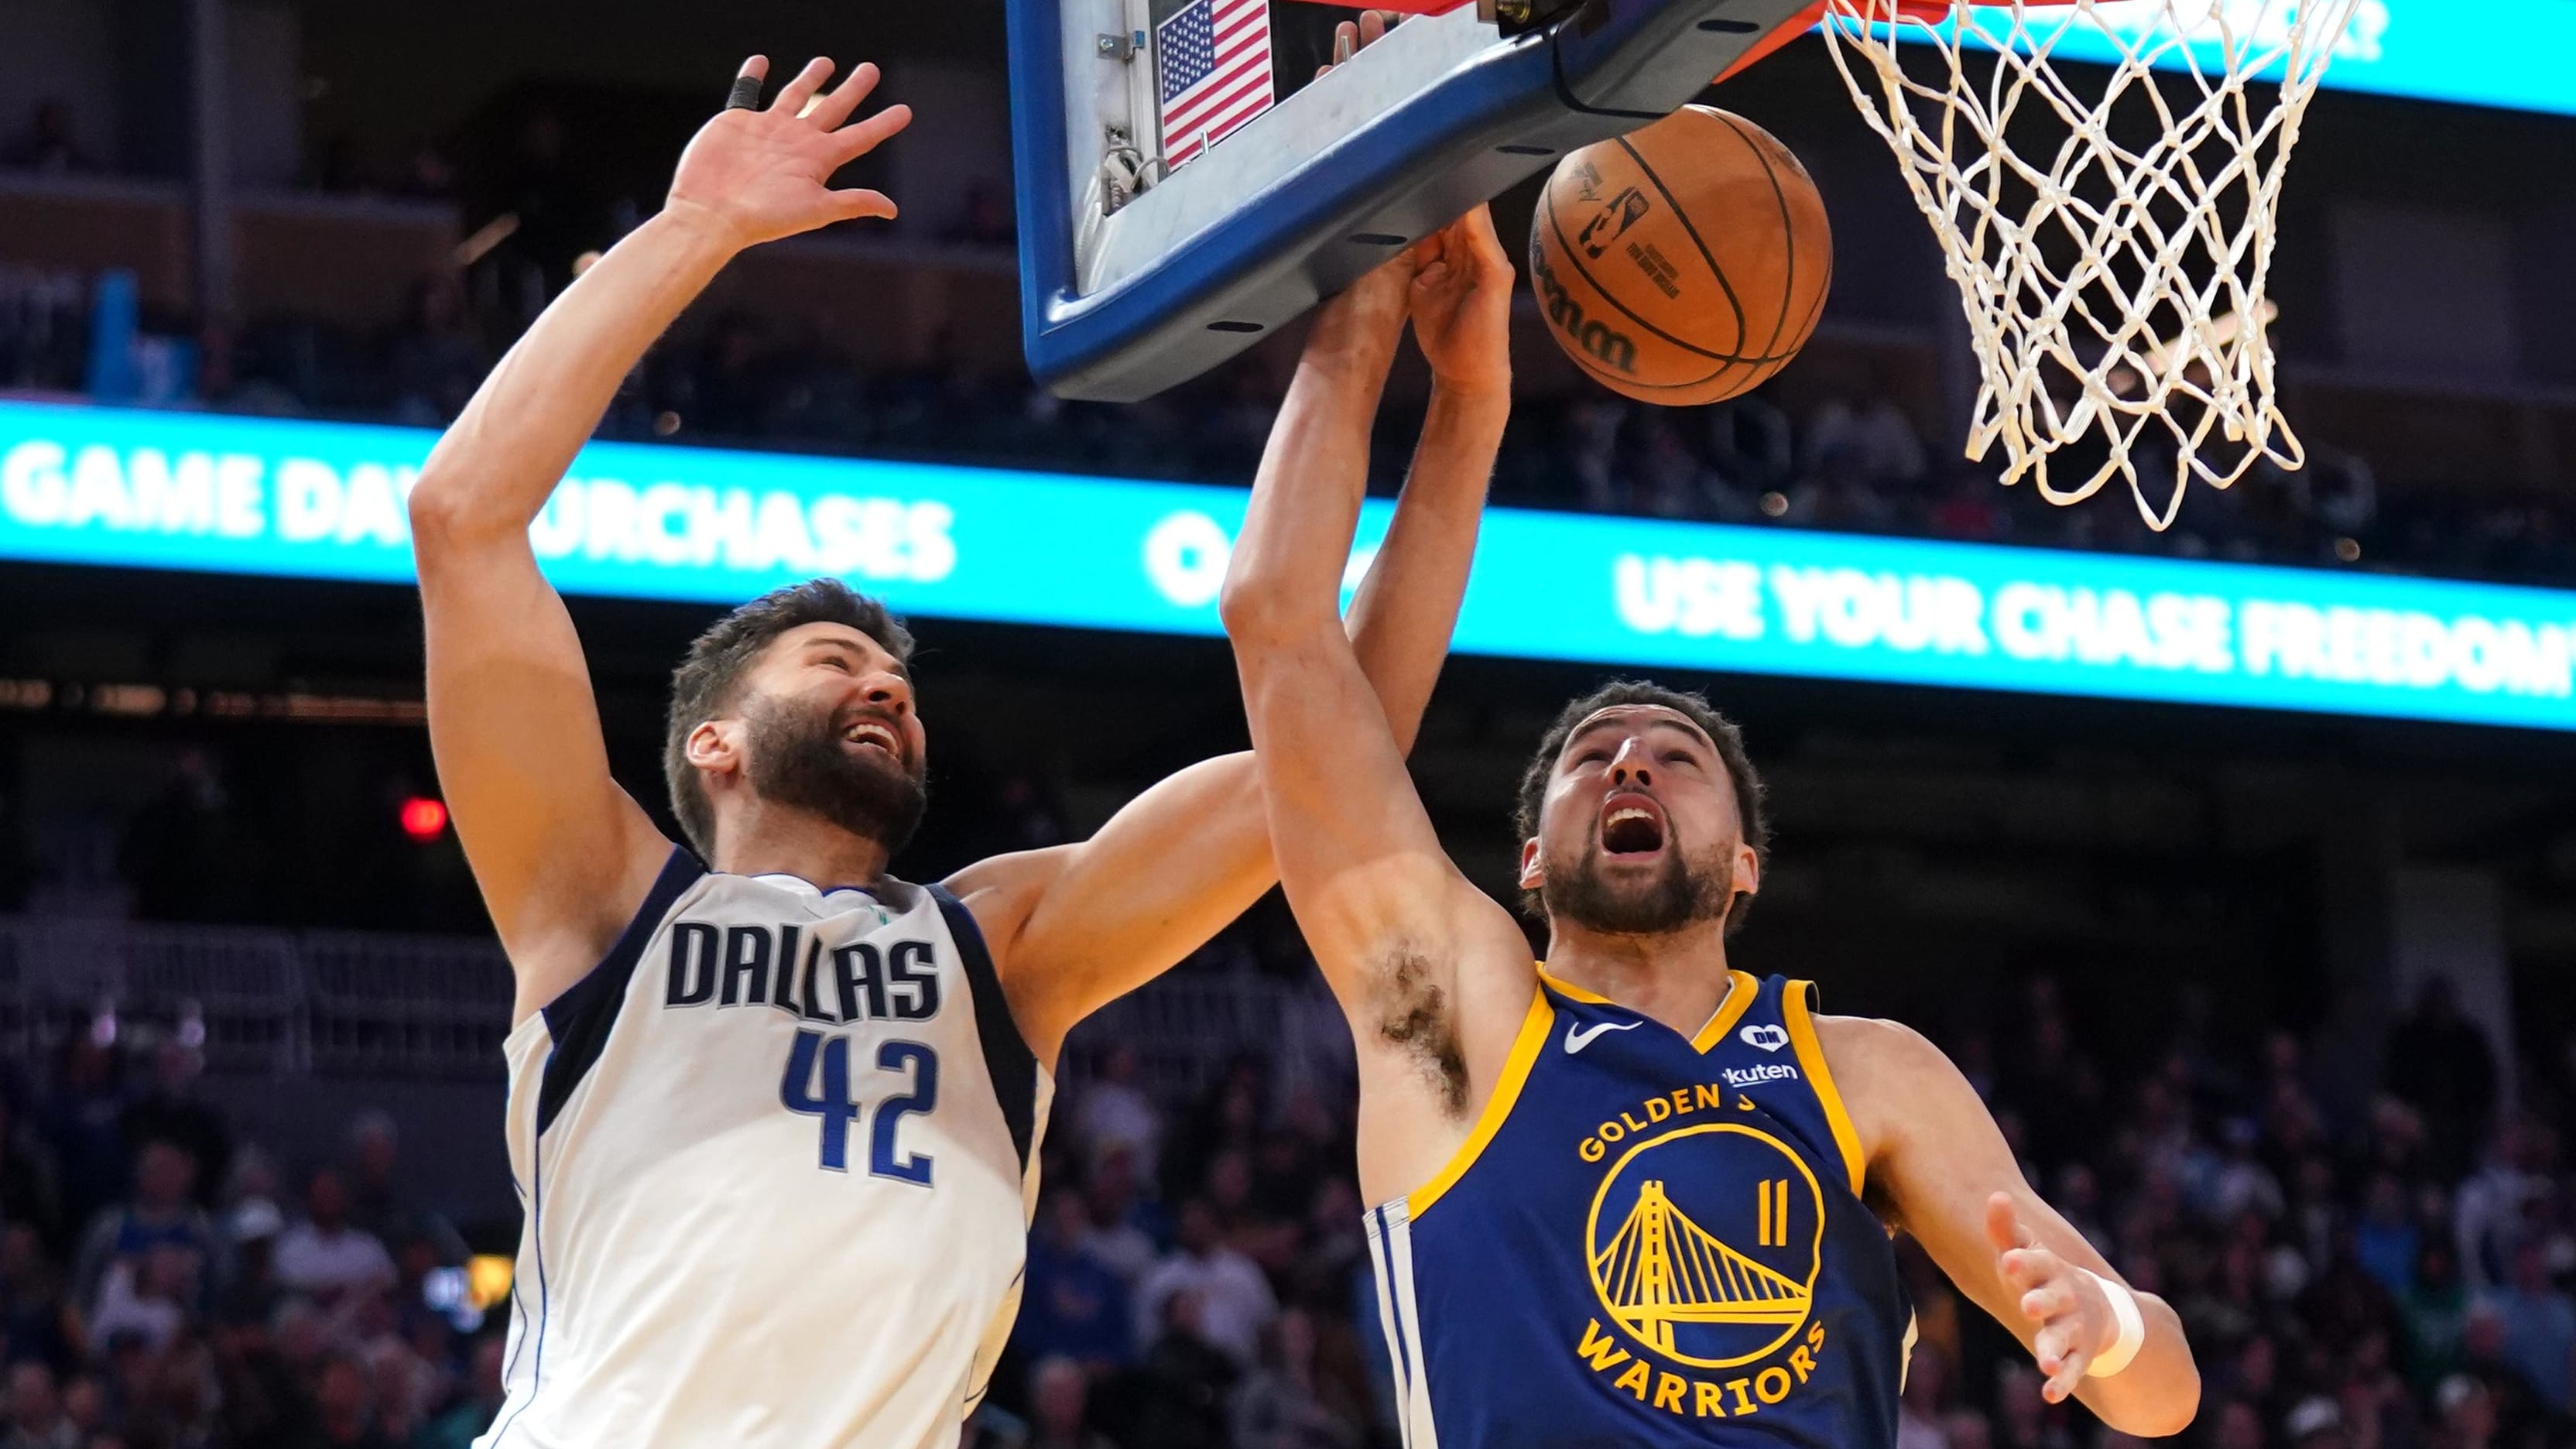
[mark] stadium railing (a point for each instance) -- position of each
(361, 1004)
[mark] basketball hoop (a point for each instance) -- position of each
(2111, 243)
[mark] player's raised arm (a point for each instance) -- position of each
(1074, 927)
(1389, 918)
(1944, 1173)
(562, 855)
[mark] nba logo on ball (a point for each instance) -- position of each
(1686, 263)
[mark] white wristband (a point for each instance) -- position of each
(2133, 1328)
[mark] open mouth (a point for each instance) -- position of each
(876, 734)
(1631, 826)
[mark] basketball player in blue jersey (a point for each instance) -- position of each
(1631, 1196)
(773, 1112)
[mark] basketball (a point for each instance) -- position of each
(1685, 263)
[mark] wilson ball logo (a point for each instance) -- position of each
(1613, 349)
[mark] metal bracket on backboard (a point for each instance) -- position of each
(1120, 47)
(1445, 112)
(1516, 17)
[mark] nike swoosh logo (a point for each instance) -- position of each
(1579, 1037)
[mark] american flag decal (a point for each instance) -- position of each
(1215, 61)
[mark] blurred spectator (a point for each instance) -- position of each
(1183, 1384)
(1283, 1404)
(252, 1292)
(1115, 1113)
(35, 1413)
(1918, 1409)
(1228, 1118)
(2387, 1241)
(325, 1258)
(1071, 1305)
(82, 1120)
(2488, 1218)
(343, 1409)
(2436, 1311)
(2439, 1063)
(1335, 1246)
(2468, 1414)
(33, 1313)
(2316, 1423)
(1122, 1232)
(50, 142)
(1230, 1300)
(474, 1410)
(170, 1110)
(159, 1215)
(30, 1183)
(2518, 1406)
(146, 1298)
(2539, 1325)
(85, 1407)
(1059, 1407)
(376, 1203)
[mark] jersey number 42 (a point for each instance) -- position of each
(831, 1100)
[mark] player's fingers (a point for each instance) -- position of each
(2027, 1268)
(1478, 225)
(837, 104)
(1372, 26)
(1346, 41)
(2003, 1224)
(801, 87)
(2050, 1345)
(857, 203)
(1489, 246)
(2069, 1373)
(2047, 1301)
(861, 137)
(745, 95)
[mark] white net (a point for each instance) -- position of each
(2105, 177)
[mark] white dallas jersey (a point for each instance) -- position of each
(777, 1155)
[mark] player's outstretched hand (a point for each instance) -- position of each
(1462, 304)
(2073, 1313)
(766, 173)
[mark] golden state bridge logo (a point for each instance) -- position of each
(1705, 1243)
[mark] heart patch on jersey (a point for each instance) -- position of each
(1769, 1036)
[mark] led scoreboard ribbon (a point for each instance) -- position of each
(325, 500)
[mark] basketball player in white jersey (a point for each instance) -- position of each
(773, 1112)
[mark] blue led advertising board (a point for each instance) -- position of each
(296, 499)
(2505, 53)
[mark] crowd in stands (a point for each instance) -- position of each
(2376, 1265)
(1852, 463)
(2393, 1275)
(165, 1284)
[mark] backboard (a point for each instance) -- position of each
(1137, 275)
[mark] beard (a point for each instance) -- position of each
(798, 760)
(1682, 893)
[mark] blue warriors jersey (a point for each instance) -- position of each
(1648, 1239)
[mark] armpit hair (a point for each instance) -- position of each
(1415, 1019)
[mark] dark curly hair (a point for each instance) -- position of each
(1721, 732)
(709, 680)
